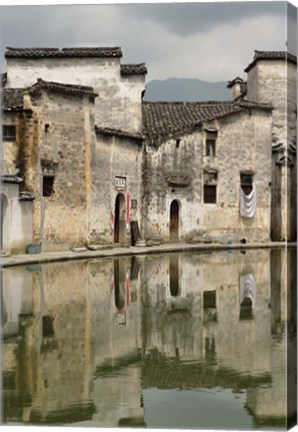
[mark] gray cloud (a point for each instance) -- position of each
(191, 18)
(212, 41)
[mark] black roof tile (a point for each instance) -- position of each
(271, 55)
(62, 88)
(133, 69)
(162, 120)
(64, 52)
(119, 133)
(236, 80)
(12, 99)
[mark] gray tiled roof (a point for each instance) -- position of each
(64, 52)
(119, 133)
(162, 120)
(64, 88)
(12, 99)
(271, 55)
(133, 69)
(10, 178)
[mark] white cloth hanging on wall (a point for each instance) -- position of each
(248, 287)
(248, 203)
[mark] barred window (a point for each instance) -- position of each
(9, 133)
(210, 194)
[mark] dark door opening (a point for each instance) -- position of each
(119, 226)
(119, 292)
(174, 275)
(4, 240)
(174, 221)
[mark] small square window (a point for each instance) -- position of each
(48, 186)
(9, 133)
(209, 194)
(134, 204)
(209, 299)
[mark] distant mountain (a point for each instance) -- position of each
(185, 89)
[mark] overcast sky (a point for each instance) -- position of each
(210, 41)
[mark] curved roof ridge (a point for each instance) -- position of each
(271, 55)
(61, 87)
(71, 52)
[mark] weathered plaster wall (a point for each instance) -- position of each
(275, 82)
(63, 151)
(130, 103)
(119, 101)
(17, 219)
(114, 157)
(243, 143)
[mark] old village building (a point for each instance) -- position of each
(87, 162)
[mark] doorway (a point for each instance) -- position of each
(4, 241)
(174, 221)
(119, 226)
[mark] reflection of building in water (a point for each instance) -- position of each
(74, 360)
(270, 404)
(116, 336)
(72, 334)
(226, 333)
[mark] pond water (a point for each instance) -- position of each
(192, 340)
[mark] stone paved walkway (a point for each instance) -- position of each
(132, 250)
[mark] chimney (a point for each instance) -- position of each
(235, 88)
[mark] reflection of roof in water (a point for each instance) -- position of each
(163, 373)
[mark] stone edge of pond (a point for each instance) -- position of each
(48, 257)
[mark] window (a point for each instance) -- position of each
(211, 137)
(9, 133)
(48, 186)
(133, 204)
(210, 194)
(246, 312)
(209, 299)
(246, 181)
(47, 326)
(178, 143)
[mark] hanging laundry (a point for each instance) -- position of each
(248, 288)
(248, 203)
